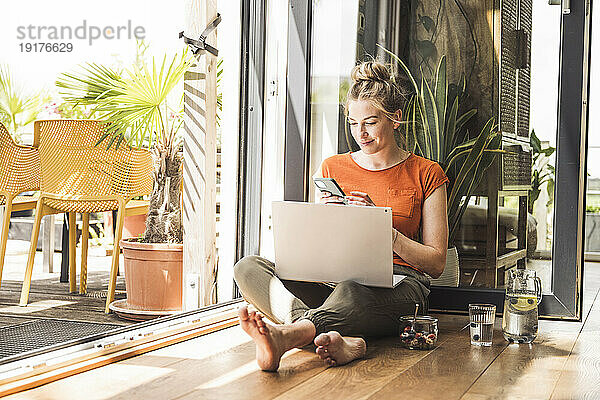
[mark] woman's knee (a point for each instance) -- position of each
(245, 269)
(350, 287)
(351, 294)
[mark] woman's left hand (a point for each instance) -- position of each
(359, 199)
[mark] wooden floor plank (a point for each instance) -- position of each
(384, 360)
(446, 373)
(212, 366)
(296, 370)
(248, 382)
(132, 375)
(360, 378)
(580, 376)
(529, 371)
(532, 371)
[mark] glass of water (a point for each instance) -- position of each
(481, 318)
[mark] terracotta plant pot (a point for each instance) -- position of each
(153, 275)
(133, 226)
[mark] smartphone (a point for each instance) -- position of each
(329, 185)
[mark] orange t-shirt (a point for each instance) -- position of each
(403, 187)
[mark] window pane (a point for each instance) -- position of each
(334, 47)
(274, 120)
(500, 81)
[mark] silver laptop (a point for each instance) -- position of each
(333, 243)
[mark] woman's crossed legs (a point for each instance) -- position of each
(336, 318)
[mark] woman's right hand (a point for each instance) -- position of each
(328, 198)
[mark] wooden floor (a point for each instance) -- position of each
(563, 363)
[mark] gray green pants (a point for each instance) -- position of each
(350, 308)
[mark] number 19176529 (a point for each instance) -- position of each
(46, 47)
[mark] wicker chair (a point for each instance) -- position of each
(78, 176)
(19, 172)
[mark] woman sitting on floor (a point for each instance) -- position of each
(337, 318)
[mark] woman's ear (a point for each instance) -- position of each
(397, 118)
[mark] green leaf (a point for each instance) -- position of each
(450, 130)
(550, 191)
(18, 107)
(536, 145)
(441, 97)
(481, 164)
(408, 125)
(427, 22)
(418, 128)
(427, 49)
(464, 118)
(549, 151)
(470, 163)
(402, 66)
(432, 122)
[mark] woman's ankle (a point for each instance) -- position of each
(301, 333)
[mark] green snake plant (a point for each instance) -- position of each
(435, 130)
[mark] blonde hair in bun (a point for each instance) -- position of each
(370, 71)
(373, 81)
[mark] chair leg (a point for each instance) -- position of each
(4, 238)
(115, 258)
(84, 252)
(39, 213)
(72, 252)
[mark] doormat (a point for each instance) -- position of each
(34, 335)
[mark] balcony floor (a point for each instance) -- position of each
(49, 298)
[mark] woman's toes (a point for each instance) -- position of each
(243, 313)
(322, 340)
(322, 352)
(261, 324)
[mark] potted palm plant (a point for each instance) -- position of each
(135, 104)
(438, 132)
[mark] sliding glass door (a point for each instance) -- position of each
(523, 63)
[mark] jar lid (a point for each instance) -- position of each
(420, 318)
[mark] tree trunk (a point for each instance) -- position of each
(164, 216)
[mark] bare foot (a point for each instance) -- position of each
(336, 349)
(266, 337)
